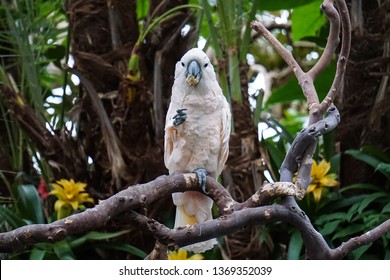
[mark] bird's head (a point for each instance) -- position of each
(194, 65)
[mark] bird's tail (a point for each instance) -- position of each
(193, 208)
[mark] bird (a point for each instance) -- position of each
(197, 132)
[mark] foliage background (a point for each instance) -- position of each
(96, 77)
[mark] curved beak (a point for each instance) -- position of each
(193, 73)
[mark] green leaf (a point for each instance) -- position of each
(386, 208)
(295, 246)
(142, 9)
(329, 217)
(361, 186)
(365, 157)
(370, 198)
(55, 52)
(63, 250)
(352, 211)
(348, 231)
(330, 227)
(376, 153)
(282, 4)
(37, 254)
(360, 251)
(292, 91)
(345, 202)
(122, 247)
(387, 255)
(313, 17)
(276, 155)
(94, 235)
(11, 218)
(78, 242)
(30, 204)
(384, 168)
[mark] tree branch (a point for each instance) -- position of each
(343, 56)
(250, 212)
(139, 196)
(359, 241)
(306, 79)
(332, 42)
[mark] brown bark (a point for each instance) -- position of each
(365, 103)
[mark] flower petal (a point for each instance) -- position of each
(311, 188)
(323, 168)
(329, 180)
(317, 194)
(59, 204)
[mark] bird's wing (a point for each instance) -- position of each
(170, 134)
(224, 136)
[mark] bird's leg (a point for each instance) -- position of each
(180, 117)
(201, 173)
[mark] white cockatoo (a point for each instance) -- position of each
(197, 134)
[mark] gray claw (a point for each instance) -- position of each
(201, 173)
(180, 117)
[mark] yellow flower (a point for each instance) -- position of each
(182, 255)
(321, 179)
(70, 195)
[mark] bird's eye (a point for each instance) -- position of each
(206, 64)
(182, 64)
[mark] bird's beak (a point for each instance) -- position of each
(193, 74)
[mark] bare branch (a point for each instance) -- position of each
(361, 240)
(121, 205)
(343, 56)
(97, 217)
(306, 79)
(297, 155)
(131, 198)
(285, 53)
(332, 42)
(315, 244)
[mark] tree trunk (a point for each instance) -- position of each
(103, 36)
(365, 103)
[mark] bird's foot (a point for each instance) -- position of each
(201, 173)
(180, 117)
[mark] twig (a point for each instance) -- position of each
(332, 42)
(343, 56)
(359, 241)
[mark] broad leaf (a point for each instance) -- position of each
(282, 4)
(314, 20)
(295, 246)
(292, 91)
(30, 204)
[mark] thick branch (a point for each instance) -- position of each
(131, 198)
(140, 195)
(95, 218)
(315, 244)
(297, 156)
